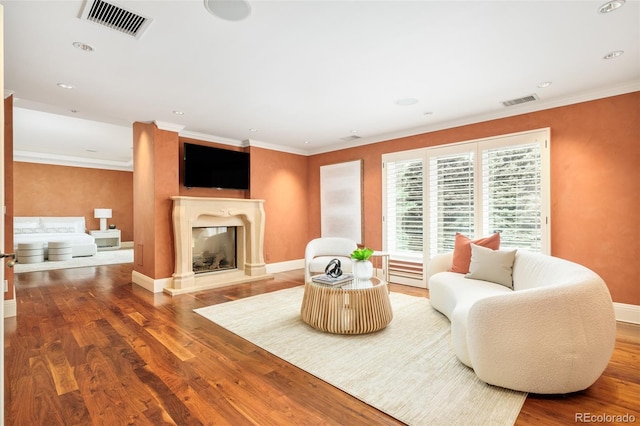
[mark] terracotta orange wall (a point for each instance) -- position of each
(155, 159)
(48, 190)
(278, 178)
(281, 180)
(595, 153)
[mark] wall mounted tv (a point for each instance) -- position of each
(209, 167)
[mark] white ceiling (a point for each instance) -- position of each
(303, 74)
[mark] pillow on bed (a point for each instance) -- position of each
(53, 224)
(25, 225)
(61, 229)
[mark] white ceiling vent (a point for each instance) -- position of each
(115, 17)
(521, 100)
(350, 138)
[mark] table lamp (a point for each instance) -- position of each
(103, 215)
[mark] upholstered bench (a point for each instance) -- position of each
(59, 250)
(30, 252)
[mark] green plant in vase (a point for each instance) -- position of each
(362, 266)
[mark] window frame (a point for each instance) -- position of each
(477, 146)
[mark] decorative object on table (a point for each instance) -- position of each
(103, 215)
(320, 251)
(112, 226)
(333, 269)
(362, 266)
(333, 281)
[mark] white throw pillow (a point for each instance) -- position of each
(495, 266)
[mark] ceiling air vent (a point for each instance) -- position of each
(115, 17)
(350, 138)
(519, 101)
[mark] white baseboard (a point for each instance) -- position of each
(158, 285)
(624, 312)
(10, 308)
(150, 284)
(627, 313)
(289, 265)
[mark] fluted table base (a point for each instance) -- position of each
(354, 309)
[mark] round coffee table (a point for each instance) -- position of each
(357, 308)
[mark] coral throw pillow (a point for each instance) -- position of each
(462, 250)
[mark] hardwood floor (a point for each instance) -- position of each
(87, 347)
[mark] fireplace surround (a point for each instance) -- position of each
(248, 218)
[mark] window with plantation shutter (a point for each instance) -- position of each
(404, 217)
(451, 199)
(498, 184)
(512, 195)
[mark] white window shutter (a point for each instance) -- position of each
(451, 199)
(512, 195)
(404, 208)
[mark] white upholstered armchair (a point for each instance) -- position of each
(320, 251)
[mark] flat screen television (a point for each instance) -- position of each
(210, 167)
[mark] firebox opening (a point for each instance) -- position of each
(214, 248)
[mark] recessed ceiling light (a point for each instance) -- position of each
(544, 84)
(613, 54)
(406, 101)
(610, 6)
(74, 110)
(253, 130)
(178, 112)
(83, 46)
(307, 142)
(65, 86)
(428, 113)
(231, 10)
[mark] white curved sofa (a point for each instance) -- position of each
(554, 333)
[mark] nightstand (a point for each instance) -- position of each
(107, 240)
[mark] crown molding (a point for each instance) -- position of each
(541, 105)
(170, 127)
(211, 138)
(274, 147)
(621, 89)
(64, 160)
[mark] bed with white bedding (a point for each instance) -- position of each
(45, 229)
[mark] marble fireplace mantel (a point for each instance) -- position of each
(247, 215)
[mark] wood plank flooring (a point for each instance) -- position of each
(88, 347)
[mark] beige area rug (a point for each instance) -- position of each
(408, 370)
(110, 257)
